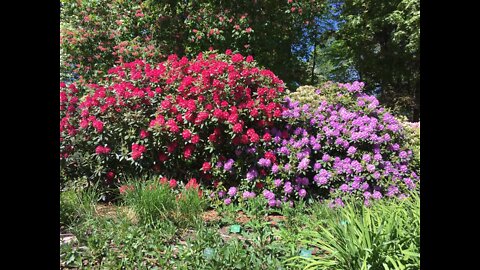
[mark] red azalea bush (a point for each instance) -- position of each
(176, 119)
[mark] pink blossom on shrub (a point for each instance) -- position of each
(137, 151)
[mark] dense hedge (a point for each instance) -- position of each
(177, 119)
(220, 119)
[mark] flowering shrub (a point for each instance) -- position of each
(98, 34)
(412, 134)
(201, 118)
(95, 35)
(345, 145)
(305, 94)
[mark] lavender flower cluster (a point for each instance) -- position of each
(345, 144)
(355, 150)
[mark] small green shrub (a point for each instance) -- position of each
(150, 200)
(68, 210)
(77, 205)
(412, 134)
(189, 207)
(251, 250)
(105, 243)
(155, 202)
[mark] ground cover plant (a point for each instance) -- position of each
(384, 235)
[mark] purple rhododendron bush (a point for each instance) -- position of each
(220, 121)
(346, 145)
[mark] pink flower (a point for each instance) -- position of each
(202, 116)
(63, 97)
(98, 125)
(254, 138)
(206, 166)
(139, 13)
(267, 137)
(173, 126)
(192, 183)
(165, 104)
(237, 58)
(102, 150)
(137, 151)
(249, 59)
(271, 156)
(172, 183)
(143, 134)
(110, 175)
(195, 139)
(187, 153)
(83, 123)
(237, 128)
(248, 30)
(163, 180)
(186, 134)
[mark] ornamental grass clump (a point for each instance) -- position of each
(383, 236)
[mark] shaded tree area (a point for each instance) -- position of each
(302, 41)
(96, 35)
(378, 43)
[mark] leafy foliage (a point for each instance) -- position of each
(383, 236)
(155, 201)
(412, 133)
(384, 39)
(96, 35)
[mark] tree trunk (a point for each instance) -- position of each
(312, 80)
(416, 105)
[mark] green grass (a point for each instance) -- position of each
(154, 203)
(169, 233)
(76, 206)
(384, 236)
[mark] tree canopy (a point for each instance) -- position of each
(302, 41)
